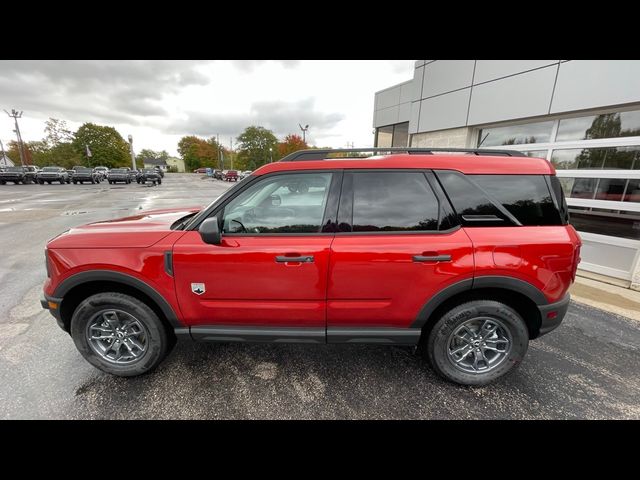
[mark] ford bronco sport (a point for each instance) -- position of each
(468, 256)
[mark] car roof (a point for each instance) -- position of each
(465, 163)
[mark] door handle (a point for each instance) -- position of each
(303, 258)
(432, 258)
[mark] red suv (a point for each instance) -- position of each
(468, 256)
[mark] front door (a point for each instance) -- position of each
(271, 267)
(398, 247)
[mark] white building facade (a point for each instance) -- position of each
(582, 115)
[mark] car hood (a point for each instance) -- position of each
(137, 231)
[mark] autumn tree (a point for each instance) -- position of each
(56, 132)
(198, 152)
(147, 153)
(291, 143)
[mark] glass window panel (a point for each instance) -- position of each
(526, 197)
(516, 134)
(627, 158)
(610, 189)
(567, 185)
(625, 225)
(401, 135)
(584, 188)
(536, 153)
(633, 191)
(608, 125)
(279, 204)
(393, 201)
(384, 136)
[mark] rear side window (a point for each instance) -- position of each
(526, 197)
(393, 201)
(491, 200)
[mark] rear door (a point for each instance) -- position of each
(398, 245)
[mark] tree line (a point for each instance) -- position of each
(98, 145)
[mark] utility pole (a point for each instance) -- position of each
(304, 132)
(231, 151)
(133, 157)
(220, 160)
(16, 115)
(4, 155)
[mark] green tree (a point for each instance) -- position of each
(107, 146)
(257, 146)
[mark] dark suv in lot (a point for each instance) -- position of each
(149, 175)
(120, 175)
(468, 256)
(25, 174)
(85, 174)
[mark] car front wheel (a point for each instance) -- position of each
(477, 342)
(119, 334)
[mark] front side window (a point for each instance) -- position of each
(393, 201)
(289, 203)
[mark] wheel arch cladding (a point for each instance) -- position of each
(76, 288)
(523, 297)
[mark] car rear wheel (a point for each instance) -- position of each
(119, 334)
(477, 342)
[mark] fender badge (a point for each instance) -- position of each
(198, 288)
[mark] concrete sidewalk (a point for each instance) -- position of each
(611, 298)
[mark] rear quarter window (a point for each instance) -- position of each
(479, 198)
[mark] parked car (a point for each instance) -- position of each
(102, 171)
(149, 175)
(159, 170)
(231, 176)
(117, 175)
(200, 170)
(85, 174)
(53, 174)
(469, 257)
(217, 174)
(22, 174)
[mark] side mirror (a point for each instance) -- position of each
(210, 231)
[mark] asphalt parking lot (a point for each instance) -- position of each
(587, 368)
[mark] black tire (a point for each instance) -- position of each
(436, 345)
(49, 182)
(159, 182)
(158, 341)
(68, 181)
(41, 182)
(2, 182)
(93, 182)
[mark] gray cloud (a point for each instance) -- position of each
(95, 90)
(249, 65)
(279, 116)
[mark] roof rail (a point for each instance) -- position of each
(321, 154)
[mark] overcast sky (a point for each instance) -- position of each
(160, 101)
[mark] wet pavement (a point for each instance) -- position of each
(587, 368)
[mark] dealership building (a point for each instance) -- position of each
(581, 115)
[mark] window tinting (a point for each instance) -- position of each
(526, 197)
(393, 201)
(609, 125)
(539, 132)
(626, 158)
(470, 203)
(279, 204)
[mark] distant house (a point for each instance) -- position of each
(176, 164)
(6, 161)
(152, 162)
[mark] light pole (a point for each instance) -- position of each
(304, 132)
(16, 115)
(133, 157)
(270, 154)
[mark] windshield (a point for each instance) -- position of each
(149, 170)
(83, 169)
(118, 170)
(205, 211)
(51, 169)
(14, 169)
